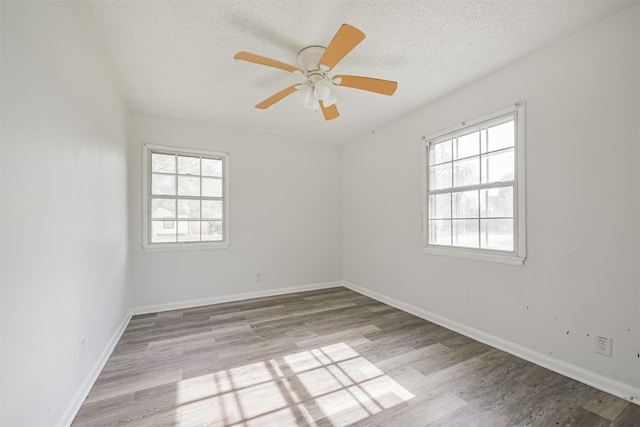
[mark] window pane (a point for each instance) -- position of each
(465, 204)
(498, 167)
(189, 209)
(188, 186)
(440, 232)
(211, 209)
(466, 233)
(211, 187)
(189, 165)
(163, 185)
(497, 234)
(212, 167)
(467, 145)
(188, 231)
(496, 202)
(163, 163)
(163, 208)
(440, 176)
(212, 230)
(440, 152)
(440, 206)
(501, 136)
(466, 172)
(163, 231)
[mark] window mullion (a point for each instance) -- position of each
(497, 184)
(478, 190)
(200, 216)
(175, 160)
(453, 144)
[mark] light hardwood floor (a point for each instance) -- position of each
(330, 357)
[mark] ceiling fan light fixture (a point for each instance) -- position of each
(330, 100)
(312, 103)
(303, 93)
(325, 93)
(322, 91)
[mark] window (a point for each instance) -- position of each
(186, 199)
(474, 198)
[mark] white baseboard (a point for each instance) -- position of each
(84, 389)
(617, 388)
(229, 298)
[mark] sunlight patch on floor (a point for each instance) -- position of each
(332, 382)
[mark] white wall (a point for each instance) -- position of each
(284, 216)
(581, 277)
(304, 213)
(64, 237)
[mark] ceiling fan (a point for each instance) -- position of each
(316, 87)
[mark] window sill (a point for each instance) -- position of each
(172, 247)
(510, 259)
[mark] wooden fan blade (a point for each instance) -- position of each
(277, 97)
(330, 112)
(342, 43)
(263, 60)
(385, 87)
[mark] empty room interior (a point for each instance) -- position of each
(295, 213)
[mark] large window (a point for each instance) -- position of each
(186, 198)
(474, 204)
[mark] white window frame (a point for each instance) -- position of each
(147, 149)
(518, 255)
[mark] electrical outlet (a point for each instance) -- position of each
(81, 349)
(259, 277)
(603, 345)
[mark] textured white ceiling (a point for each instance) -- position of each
(175, 58)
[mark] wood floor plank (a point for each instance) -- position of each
(629, 417)
(329, 338)
(130, 384)
(330, 357)
(605, 405)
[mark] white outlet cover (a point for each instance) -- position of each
(602, 345)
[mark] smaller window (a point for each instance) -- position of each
(474, 189)
(186, 201)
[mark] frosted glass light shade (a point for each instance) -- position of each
(330, 100)
(303, 93)
(323, 91)
(312, 103)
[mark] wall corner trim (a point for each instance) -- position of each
(608, 385)
(84, 389)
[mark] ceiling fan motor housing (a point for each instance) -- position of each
(308, 58)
